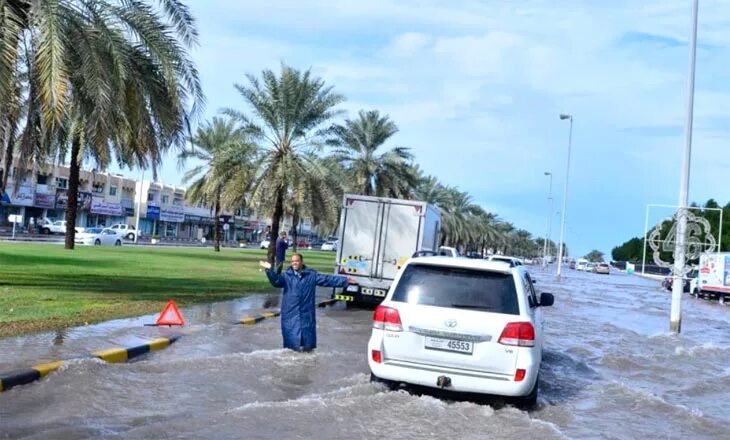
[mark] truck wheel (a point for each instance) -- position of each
(130, 236)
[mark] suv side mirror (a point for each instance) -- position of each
(546, 299)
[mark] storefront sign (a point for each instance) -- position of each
(175, 215)
(83, 203)
(99, 206)
(153, 212)
(23, 196)
(196, 219)
(47, 201)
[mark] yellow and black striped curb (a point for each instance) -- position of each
(250, 320)
(114, 355)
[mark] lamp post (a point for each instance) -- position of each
(565, 193)
(549, 219)
(139, 205)
(675, 318)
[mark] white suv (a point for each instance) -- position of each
(463, 325)
(126, 231)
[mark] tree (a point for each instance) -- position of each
(226, 158)
(111, 79)
(290, 110)
(386, 174)
(594, 256)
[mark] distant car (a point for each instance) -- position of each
(329, 246)
(572, 265)
(603, 268)
(126, 231)
(98, 237)
(448, 251)
(264, 244)
(590, 267)
(48, 227)
(486, 336)
(473, 254)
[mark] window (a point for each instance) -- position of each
(98, 188)
(41, 179)
(165, 199)
(530, 288)
(177, 202)
(112, 190)
(456, 287)
(150, 197)
(61, 182)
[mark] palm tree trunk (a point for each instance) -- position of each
(275, 220)
(9, 151)
(217, 233)
(295, 224)
(73, 192)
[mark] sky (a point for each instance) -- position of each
(476, 88)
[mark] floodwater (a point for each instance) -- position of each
(611, 370)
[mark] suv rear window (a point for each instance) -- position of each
(456, 287)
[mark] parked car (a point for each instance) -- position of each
(329, 246)
(99, 237)
(264, 244)
(126, 231)
(49, 227)
(463, 325)
(690, 282)
(603, 268)
(572, 265)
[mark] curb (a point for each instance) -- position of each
(251, 320)
(113, 355)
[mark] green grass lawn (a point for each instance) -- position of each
(44, 287)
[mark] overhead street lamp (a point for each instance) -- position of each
(675, 317)
(563, 117)
(549, 219)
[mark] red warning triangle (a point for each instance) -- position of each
(170, 315)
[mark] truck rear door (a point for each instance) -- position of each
(401, 230)
(361, 226)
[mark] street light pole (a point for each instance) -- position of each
(139, 205)
(675, 319)
(550, 210)
(565, 194)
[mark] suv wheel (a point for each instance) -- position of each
(388, 383)
(130, 236)
(97, 242)
(118, 243)
(46, 231)
(529, 401)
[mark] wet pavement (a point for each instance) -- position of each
(611, 370)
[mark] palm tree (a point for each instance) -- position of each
(226, 158)
(111, 78)
(357, 143)
(290, 110)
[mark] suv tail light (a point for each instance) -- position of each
(387, 318)
(521, 334)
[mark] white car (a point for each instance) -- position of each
(463, 325)
(48, 227)
(126, 231)
(329, 246)
(99, 237)
(264, 244)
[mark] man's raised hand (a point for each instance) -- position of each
(265, 264)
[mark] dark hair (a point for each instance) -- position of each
(297, 254)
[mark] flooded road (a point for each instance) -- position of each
(611, 370)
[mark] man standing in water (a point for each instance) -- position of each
(298, 317)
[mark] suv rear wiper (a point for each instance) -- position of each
(472, 306)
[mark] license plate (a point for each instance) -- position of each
(352, 288)
(449, 345)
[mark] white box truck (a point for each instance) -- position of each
(713, 279)
(377, 235)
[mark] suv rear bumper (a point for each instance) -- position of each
(464, 381)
